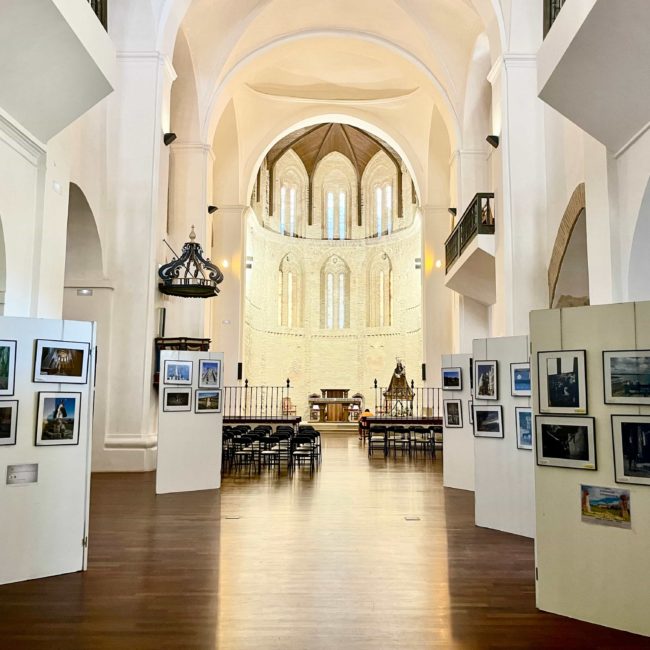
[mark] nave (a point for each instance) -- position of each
(364, 554)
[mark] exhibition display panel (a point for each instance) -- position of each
(457, 440)
(591, 370)
(190, 421)
(503, 457)
(47, 370)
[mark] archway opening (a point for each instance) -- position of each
(333, 287)
(638, 288)
(572, 288)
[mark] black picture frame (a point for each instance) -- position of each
(446, 403)
(480, 421)
(560, 445)
(491, 391)
(519, 410)
(514, 390)
(199, 395)
(42, 408)
(624, 449)
(12, 347)
(10, 439)
(44, 349)
(176, 408)
(178, 382)
(560, 397)
(608, 393)
(447, 381)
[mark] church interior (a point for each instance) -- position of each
(324, 324)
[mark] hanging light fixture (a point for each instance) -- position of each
(190, 275)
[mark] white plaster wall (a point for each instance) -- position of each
(315, 358)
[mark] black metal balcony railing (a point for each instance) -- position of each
(418, 403)
(478, 219)
(101, 10)
(551, 11)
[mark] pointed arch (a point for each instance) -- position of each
(290, 195)
(335, 294)
(290, 291)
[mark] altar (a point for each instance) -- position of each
(334, 405)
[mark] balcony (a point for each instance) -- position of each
(551, 11)
(469, 252)
(593, 64)
(62, 62)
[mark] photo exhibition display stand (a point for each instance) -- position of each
(503, 473)
(458, 443)
(595, 573)
(44, 510)
(189, 443)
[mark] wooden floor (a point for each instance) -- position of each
(328, 562)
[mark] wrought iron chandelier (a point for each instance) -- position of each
(190, 275)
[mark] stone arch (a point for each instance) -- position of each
(334, 170)
(575, 208)
(289, 169)
(639, 270)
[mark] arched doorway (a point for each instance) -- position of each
(88, 296)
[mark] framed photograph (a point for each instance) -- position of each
(61, 362)
(485, 380)
(57, 419)
(470, 411)
(209, 373)
(562, 382)
(605, 506)
(520, 379)
(452, 379)
(207, 401)
(8, 422)
(177, 399)
(631, 437)
(453, 412)
(177, 373)
(488, 421)
(7, 367)
(524, 422)
(566, 442)
(626, 375)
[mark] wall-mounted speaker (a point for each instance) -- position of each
(424, 372)
(240, 370)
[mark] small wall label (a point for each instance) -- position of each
(22, 474)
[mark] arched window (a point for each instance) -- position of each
(289, 296)
(378, 187)
(290, 195)
(335, 294)
(380, 304)
(335, 182)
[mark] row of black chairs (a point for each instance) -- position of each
(260, 448)
(409, 440)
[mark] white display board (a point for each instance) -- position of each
(458, 443)
(595, 573)
(189, 443)
(44, 523)
(503, 473)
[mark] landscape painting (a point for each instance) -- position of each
(451, 379)
(207, 401)
(627, 376)
(606, 506)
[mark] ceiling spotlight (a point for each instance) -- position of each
(493, 140)
(168, 138)
(452, 211)
(212, 209)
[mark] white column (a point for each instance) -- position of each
(190, 169)
(227, 308)
(437, 303)
(520, 198)
(138, 171)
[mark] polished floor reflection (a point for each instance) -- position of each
(365, 554)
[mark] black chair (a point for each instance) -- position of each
(399, 438)
(377, 439)
(302, 452)
(270, 452)
(244, 454)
